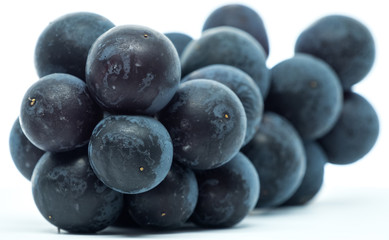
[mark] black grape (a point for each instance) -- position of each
(277, 153)
(226, 194)
(242, 17)
(207, 123)
(25, 155)
(133, 70)
(58, 114)
(70, 196)
(344, 43)
(242, 85)
(179, 40)
(307, 92)
(230, 46)
(132, 128)
(354, 134)
(313, 177)
(130, 154)
(64, 44)
(168, 205)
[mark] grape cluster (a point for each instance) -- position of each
(134, 128)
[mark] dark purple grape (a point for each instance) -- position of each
(242, 17)
(63, 46)
(58, 114)
(70, 196)
(307, 92)
(230, 46)
(207, 123)
(277, 153)
(226, 194)
(242, 85)
(179, 40)
(130, 154)
(133, 70)
(344, 43)
(25, 155)
(313, 177)
(354, 134)
(168, 205)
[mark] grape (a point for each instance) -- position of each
(128, 127)
(63, 46)
(133, 70)
(307, 92)
(70, 196)
(277, 153)
(179, 40)
(344, 43)
(355, 132)
(242, 85)
(168, 205)
(313, 177)
(130, 154)
(242, 17)
(207, 123)
(57, 113)
(24, 154)
(230, 46)
(227, 193)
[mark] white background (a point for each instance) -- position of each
(354, 201)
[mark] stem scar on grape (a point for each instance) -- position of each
(32, 101)
(313, 84)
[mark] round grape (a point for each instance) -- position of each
(226, 194)
(133, 70)
(177, 197)
(70, 196)
(131, 154)
(207, 123)
(58, 114)
(277, 153)
(344, 43)
(242, 85)
(64, 44)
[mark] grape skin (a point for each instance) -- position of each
(355, 132)
(63, 48)
(344, 43)
(242, 17)
(307, 92)
(25, 155)
(230, 46)
(133, 69)
(70, 196)
(313, 176)
(179, 40)
(207, 123)
(242, 85)
(57, 113)
(177, 197)
(227, 193)
(277, 152)
(131, 154)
